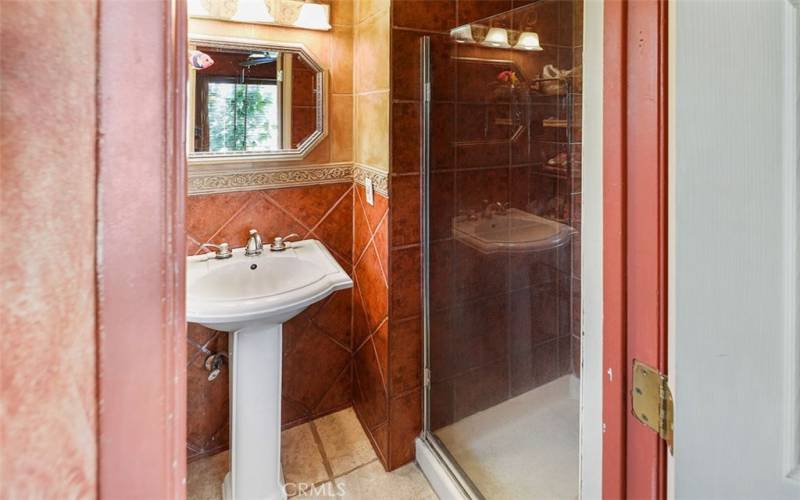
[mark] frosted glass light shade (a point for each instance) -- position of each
(462, 34)
(314, 16)
(243, 11)
(497, 37)
(253, 11)
(528, 40)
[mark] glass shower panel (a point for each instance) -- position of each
(502, 252)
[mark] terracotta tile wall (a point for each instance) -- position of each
(371, 306)
(370, 318)
(337, 352)
(501, 325)
(320, 337)
(386, 332)
(389, 410)
(317, 345)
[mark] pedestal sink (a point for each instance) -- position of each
(251, 297)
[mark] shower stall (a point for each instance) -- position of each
(501, 124)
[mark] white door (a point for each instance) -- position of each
(733, 257)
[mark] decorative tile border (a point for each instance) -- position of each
(380, 179)
(238, 178)
(204, 180)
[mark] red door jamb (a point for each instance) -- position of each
(614, 289)
(635, 237)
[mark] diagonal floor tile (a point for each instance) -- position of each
(344, 441)
(300, 456)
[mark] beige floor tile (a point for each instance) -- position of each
(344, 441)
(371, 482)
(204, 477)
(300, 456)
(347, 448)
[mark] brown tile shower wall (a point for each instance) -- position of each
(501, 325)
(411, 20)
(317, 344)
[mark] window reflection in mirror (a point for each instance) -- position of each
(252, 100)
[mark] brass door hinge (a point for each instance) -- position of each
(652, 400)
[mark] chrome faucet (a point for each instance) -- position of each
(491, 208)
(254, 245)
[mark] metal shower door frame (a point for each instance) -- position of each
(445, 459)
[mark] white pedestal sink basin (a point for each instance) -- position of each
(515, 231)
(252, 297)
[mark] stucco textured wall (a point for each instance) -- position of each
(47, 311)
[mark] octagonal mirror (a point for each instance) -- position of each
(253, 101)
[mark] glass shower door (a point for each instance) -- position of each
(501, 215)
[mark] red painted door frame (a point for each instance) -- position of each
(635, 237)
(141, 336)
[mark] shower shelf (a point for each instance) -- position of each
(557, 124)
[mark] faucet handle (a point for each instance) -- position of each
(223, 250)
(279, 243)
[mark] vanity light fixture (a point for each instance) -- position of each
(462, 34)
(498, 38)
(244, 11)
(253, 11)
(307, 14)
(528, 40)
(313, 16)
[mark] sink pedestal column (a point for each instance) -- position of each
(255, 410)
